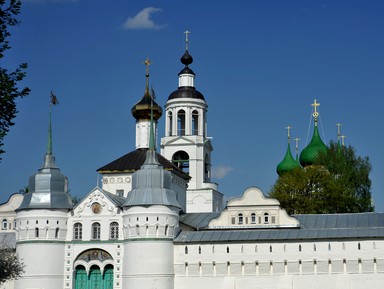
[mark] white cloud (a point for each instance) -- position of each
(221, 172)
(142, 20)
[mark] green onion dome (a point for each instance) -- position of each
(311, 151)
(288, 163)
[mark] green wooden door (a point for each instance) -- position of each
(108, 278)
(95, 281)
(81, 277)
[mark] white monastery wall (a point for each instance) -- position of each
(291, 264)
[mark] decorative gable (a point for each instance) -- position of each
(98, 202)
(253, 210)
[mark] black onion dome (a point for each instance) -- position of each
(142, 109)
(186, 92)
(187, 70)
(186, 59)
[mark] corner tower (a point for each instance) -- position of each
(151, 222)
(186, 142)
(41, 224)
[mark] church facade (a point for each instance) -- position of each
(158, 221)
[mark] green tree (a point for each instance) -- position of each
(10, 265)
(9, 90)
(340, 185)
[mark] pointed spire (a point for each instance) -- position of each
(49, 160)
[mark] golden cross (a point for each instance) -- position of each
(147, 63)
(186, 38)
(289, 132)
(315, 104)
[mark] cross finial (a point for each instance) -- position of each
(147, 63)
(289, 132)
(297, 143)
(343, 139)
(338, 130)
(315, 104)
(186, 32)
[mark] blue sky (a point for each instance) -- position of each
(260, 64)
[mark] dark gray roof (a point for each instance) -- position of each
(197, 220)
(132, 162)
(8, 239)
(313, 227)
(348, 221)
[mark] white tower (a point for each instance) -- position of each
(41, 226)
(151, 222)
(186, 142)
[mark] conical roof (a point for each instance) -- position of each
(311, 151)
(288, 163)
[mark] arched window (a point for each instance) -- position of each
(170, 123)
(4, 225)
(253, 218)
(186, 250)
(181, 160)
(181, 122)
(266, 218)
(240, 218)
(114, 230)
(77, 231)
(96, 230)
(195, 122)
(37, 232)
(207, 168)
(57, 233)
(166, 230)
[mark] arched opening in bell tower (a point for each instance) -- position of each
(195, 122)
(181, 160)
(181, 122)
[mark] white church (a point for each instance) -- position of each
(159, 222)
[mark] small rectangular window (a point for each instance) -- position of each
(120, 193)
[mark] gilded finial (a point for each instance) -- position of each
(147, 63)
(186, 39)
(315, 104)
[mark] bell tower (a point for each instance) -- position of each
(186, 143)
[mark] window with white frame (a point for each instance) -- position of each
(4, 225)
(77, 231)
(114, 230)
(96, 229)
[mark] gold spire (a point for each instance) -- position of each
(315, 114)
(147, 63)
(186, 32)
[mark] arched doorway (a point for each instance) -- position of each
(93, 270)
